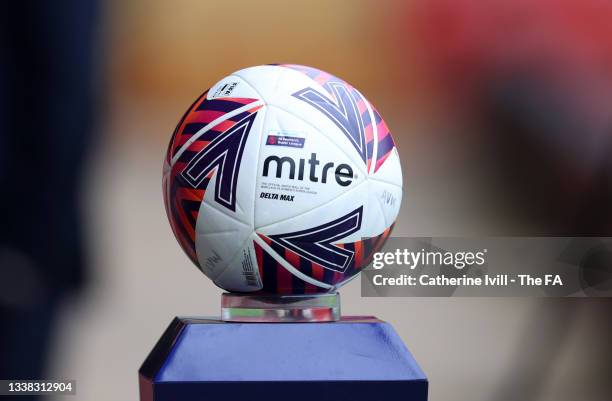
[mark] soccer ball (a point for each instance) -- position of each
(281, 179)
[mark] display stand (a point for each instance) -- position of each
(281, 348)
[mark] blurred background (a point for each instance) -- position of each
(502, 112)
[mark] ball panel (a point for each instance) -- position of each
(173, 145)
(218, 239)
(242, 272)
(390, 171)
(384, 195)
(276, 279)
(384, 140)
(320, 242)
(193, 159)
(344, 204)
(299, 169)
(235, 164)
(263, 79)
(199, 118)
(280, 86)
(334, 106)
(374, 221)
(234, 87)
(223, 229)
(384, 201)
(182, 208)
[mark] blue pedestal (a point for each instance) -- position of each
(353, 359)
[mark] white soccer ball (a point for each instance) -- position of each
(281, 179)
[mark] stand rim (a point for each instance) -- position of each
(280, 308)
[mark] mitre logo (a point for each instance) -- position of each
(275, 165)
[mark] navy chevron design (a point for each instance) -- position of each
(317, 244)
(224, 154)
(344, 112)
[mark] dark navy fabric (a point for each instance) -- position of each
(271, 351)
(356, 359)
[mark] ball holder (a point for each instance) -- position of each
(281, 348)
